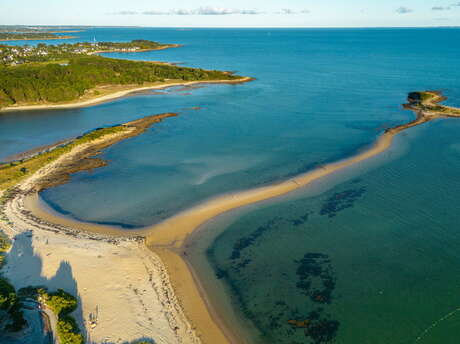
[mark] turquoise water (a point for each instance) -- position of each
(375, 258)
(377, 253)
(319, 95)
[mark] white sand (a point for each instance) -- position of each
(117, 94)
(124, 282)
(120, 279)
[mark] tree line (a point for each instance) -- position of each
(54, 82)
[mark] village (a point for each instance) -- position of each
(17, 55)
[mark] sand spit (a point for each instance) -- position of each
(167, 239)
(117, 279)
(162, 47)
(118, 92)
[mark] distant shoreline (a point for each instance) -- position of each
(118, 94)
(37, 39)
(162, 47)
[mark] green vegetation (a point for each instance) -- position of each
(11, 314)
(16, 55)
(428, 101)
(47, 74)
(68, 331)
(62, 304)
(12, 173)
(53, 83)
(422, 96)
(5, 245)
(9, 36)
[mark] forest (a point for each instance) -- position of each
(44, 83)
(10, 36)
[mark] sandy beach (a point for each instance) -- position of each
(121, 282)
(117, 279)
(163, 47)
(118, 92)
(166, 239)
(162, 244)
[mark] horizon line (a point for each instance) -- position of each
(236, 27)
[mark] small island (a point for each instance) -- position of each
(73, 75)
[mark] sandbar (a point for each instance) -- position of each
(166, 239)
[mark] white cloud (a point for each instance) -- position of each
(204, 11)
(404, 10)
(291, 11)
(126, 13)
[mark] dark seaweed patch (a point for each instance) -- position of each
(221, 273)
(341, 201)
(249, 240)
(315, 270)
(322, 331)
(301, 220)
(317, 281)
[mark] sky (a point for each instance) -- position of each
(232, 13)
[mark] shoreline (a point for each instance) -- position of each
(137, 283)
(118, 94)
(168, 238)
(38, 39)
(162, 47)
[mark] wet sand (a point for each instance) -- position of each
(167, 239)
(124, 91)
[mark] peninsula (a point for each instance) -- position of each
(132, 267)
(31, 36)
(71, 75)
(164, 261)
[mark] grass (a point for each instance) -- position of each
(15, 172)
(10, 308)
(427, 96)
(5, 245)
(424, 102)
(62, 304)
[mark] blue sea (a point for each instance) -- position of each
(369, 256)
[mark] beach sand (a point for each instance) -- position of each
(166, 240)
(124, 284)
(114, 92)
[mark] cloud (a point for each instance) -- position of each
(457, 4)
(203, 11)
(404, 10)
(287, 11)
(440, 8)
(125, 13)
(291, 11)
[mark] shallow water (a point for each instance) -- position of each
(376, 258)
(385, 241)
(319, 95)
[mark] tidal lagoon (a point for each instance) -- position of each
(353, 262)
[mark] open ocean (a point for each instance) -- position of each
(370, 257)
